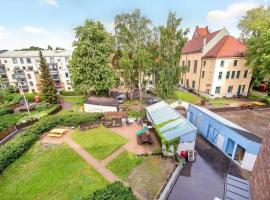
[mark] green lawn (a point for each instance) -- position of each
(187, 96)
(75, 99)
(124, 164)
(99, 142)
(49, 173)
(224, 101)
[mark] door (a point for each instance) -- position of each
(239, 90)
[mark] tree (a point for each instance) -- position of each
(255, 30)
(132, 32)
(31, 48)
(49, 47)
(59, 48)
(48, 88)
(171, 42)
(90, 67)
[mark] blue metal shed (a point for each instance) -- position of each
(174, 125)
(234, 141)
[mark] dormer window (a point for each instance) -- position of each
(222, 63)
(235, 62)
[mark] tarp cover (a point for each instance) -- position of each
(142, 131)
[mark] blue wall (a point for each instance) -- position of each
(206, 122)
(190, 137)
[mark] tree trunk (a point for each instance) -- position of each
(140, 87)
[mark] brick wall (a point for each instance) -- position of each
(260, 178)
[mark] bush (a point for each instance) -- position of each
(43, 106)
(114, 190)
(5, 111)
(13, 149)
(70, 93)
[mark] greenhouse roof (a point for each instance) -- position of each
(168, 121)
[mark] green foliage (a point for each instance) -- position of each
(80, 100)
(43, 106)
(90, 59)
(99, 142)
(7, 121)
(188, 97)
(47, 83)
(123, 165)
(32, 48)
(115, 191)
(6, 111)
(52, 172)
(133, 35)
(13, 149)
(70, 93)
(135, 113)
(171, 42)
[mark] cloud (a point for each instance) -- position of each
(51, 2)
(3, 32)
(231, 14)
(34, 30)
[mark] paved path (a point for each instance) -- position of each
(99, 165)
(113, 156)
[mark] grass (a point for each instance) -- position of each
(124, 164)
(187, 96)
(224, 101)
(49, 173)
(99, 142)
(75, 99)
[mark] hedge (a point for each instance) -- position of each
(13, 149)
(115, 191)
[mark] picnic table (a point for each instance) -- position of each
(143, 136)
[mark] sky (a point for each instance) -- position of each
(25, 23)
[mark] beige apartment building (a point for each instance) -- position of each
(21, 69)
(215, 64)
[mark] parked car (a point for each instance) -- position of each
(121, 98)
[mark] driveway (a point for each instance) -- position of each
(204, 178)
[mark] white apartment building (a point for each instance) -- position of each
(21, 69)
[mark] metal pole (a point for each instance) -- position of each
(25, 101)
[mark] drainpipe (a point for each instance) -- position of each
(200, 76)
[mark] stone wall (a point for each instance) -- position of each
(260, 178)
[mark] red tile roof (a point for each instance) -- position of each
(228, 46)
(200, 32)
(196, 45)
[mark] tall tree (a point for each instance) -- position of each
(132, 32)
(48, 87)
(255, 31)
(90, 63)
(171, 42)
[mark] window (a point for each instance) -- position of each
(203, 72)
(235, 62)
(204, 63)
(67, 59)
(51, 60)
(21, 60)
(193, 84)
(219, 75)
(5, 61)
(228, 75)
(233, 74)
(31, 83)
(58, 60)
(217, 91)
(29, 76)
(183, 63)
(187, 82)
(28, 60)
(195, 66)
(245, 73)
(188, 66)
(33, 90)
(23, 67)
(238, 74)
(14, 60)
(66, 75)
(30, 68)
(222, 63)
(243, 88)
(230, 89)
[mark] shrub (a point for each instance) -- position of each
(70, 93)
(13, 149)
(5, 111)
(114, 190)
(43, 106)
